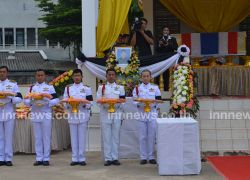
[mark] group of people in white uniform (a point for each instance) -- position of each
(42, 117)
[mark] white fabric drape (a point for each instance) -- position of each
(156, 69)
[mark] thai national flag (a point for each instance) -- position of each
(223, 43)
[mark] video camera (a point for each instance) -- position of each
(136, 24)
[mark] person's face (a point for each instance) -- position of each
(3, 74)
(165, 31)
(123, 55)
(40, 76)
(111, 76)
(144, 25)
(145, 77)
(77, 78)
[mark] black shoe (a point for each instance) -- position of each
(46, 163)
(38, 163)
(116, 163)
(8, 163)
(2, 163)
(152, 161)
(107, 163)
(73, 163)
(83, 163)
(143, 161)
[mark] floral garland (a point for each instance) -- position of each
(62, 81)
(183, 100)
(127, 76)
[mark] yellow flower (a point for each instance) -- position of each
(56, 84)
(66, 78)
(70, 72)
(62, 80)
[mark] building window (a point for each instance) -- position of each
(1, 37)
(31, 36)
(41, 39)
(9, 36)
(20, 36)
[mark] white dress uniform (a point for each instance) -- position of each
(41, 118)
(7, 118)
(78, 121)
(147, 121)
(110, 126)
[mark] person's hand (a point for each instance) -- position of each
(45, 95)
(141, 31)
(161, 43)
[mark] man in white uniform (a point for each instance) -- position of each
(41, 116)
(110, 124)
(78, 122)
(147, 123)
(7, 116)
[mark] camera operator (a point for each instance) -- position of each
(142, 38)
(166, 43)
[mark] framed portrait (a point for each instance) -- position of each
(123, 55)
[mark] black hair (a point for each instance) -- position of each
(77, 71)
(38, 70)
(110, 69)
(165, 26)
(146, 70)
(4, 67)
(144, 19)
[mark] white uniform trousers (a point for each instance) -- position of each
(147, 133)
(78, 141)
(42, 133)
(111, 139)
(6, 139)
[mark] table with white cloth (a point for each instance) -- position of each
(24, 140)
(178, 150)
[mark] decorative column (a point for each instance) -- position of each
(14, 37)
(161, 83)
(36, 37)
(3, 37)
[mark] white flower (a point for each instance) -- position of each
(184, 92)
(184, 72)
(182, 53)
(185, 87)
(183, 99)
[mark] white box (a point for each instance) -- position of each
(178, 150)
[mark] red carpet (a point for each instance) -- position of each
(231, 167)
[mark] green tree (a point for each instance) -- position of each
(64, 23)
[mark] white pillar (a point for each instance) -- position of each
(89, 8)
(14, 30)
(25, 38)
(89, 27)
(3, 37)
(36, 37)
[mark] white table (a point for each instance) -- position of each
(178, 150)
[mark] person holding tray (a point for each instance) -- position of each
(41, 97)
(77, 98)
(107, 95)
(9, 95)
(144, 94)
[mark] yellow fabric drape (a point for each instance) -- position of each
(209, 15)
(112, 15)
(125, 28)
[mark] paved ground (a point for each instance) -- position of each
(60, 170)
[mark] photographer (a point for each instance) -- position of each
(142, 38)
(166, 43)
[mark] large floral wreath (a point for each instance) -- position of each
(183, 100)
(127, 76)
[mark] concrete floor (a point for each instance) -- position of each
(60, 170)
